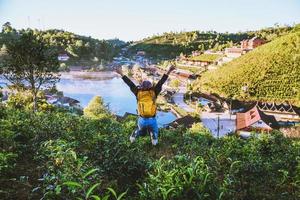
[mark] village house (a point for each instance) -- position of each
(252, 43)
(234, 52)
(255, 120)
(196, 53)
(66, 102)
(183, 73)
(246, 46)
(284, 113)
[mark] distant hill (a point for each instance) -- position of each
(270, 72)
(117, 42)
(170, 45)
(82, 50)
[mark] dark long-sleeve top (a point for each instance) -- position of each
(134, 88)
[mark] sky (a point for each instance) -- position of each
(137, 19)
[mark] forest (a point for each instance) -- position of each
(82, 50)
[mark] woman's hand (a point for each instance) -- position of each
(119, 71)
(171, 68)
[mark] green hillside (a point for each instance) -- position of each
(170, 45)
(270, 72)
(206, 57)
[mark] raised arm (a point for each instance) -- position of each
(131, 85)
(158, 86)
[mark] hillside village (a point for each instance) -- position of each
(233, 101)
(223, 116)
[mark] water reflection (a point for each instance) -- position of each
(113, 91)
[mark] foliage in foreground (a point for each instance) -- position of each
(58, 155)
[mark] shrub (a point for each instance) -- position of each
(96, 108)
(7, 161)
(179, 178)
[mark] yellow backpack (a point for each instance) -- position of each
(146, 103)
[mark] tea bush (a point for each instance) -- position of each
(48, 155)
(180, 178)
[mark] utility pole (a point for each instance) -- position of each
(230, 108)
(218, 129)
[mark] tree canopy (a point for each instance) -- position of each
(82, 50)
(29, 62)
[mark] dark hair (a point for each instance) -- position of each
(146, 85)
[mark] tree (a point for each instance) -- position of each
(6, 28)
(96, 108)
(29, 62)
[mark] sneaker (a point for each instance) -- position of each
(132, 137)
(154, 142)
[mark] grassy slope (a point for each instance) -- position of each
(206, 57)
(271, 72)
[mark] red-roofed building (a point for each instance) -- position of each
(252, 43)
(254, 119)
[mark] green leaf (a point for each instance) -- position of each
(90, 172)
(106, 197)
(122, 195)
(74, 155)
(95, 197)
(91, 189)
(72, 184)
(113, 192)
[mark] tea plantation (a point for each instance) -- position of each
(54, 154)
(269, 72)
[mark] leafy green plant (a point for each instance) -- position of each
(73, 153)
(84, 189)
(177, 179)
(61, 165)
(7, 161)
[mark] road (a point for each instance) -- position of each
(226, 125)
(179, 100)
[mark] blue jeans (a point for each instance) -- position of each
(150, 123)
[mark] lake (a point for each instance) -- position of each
(115, 93)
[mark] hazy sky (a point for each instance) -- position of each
(136, 19)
